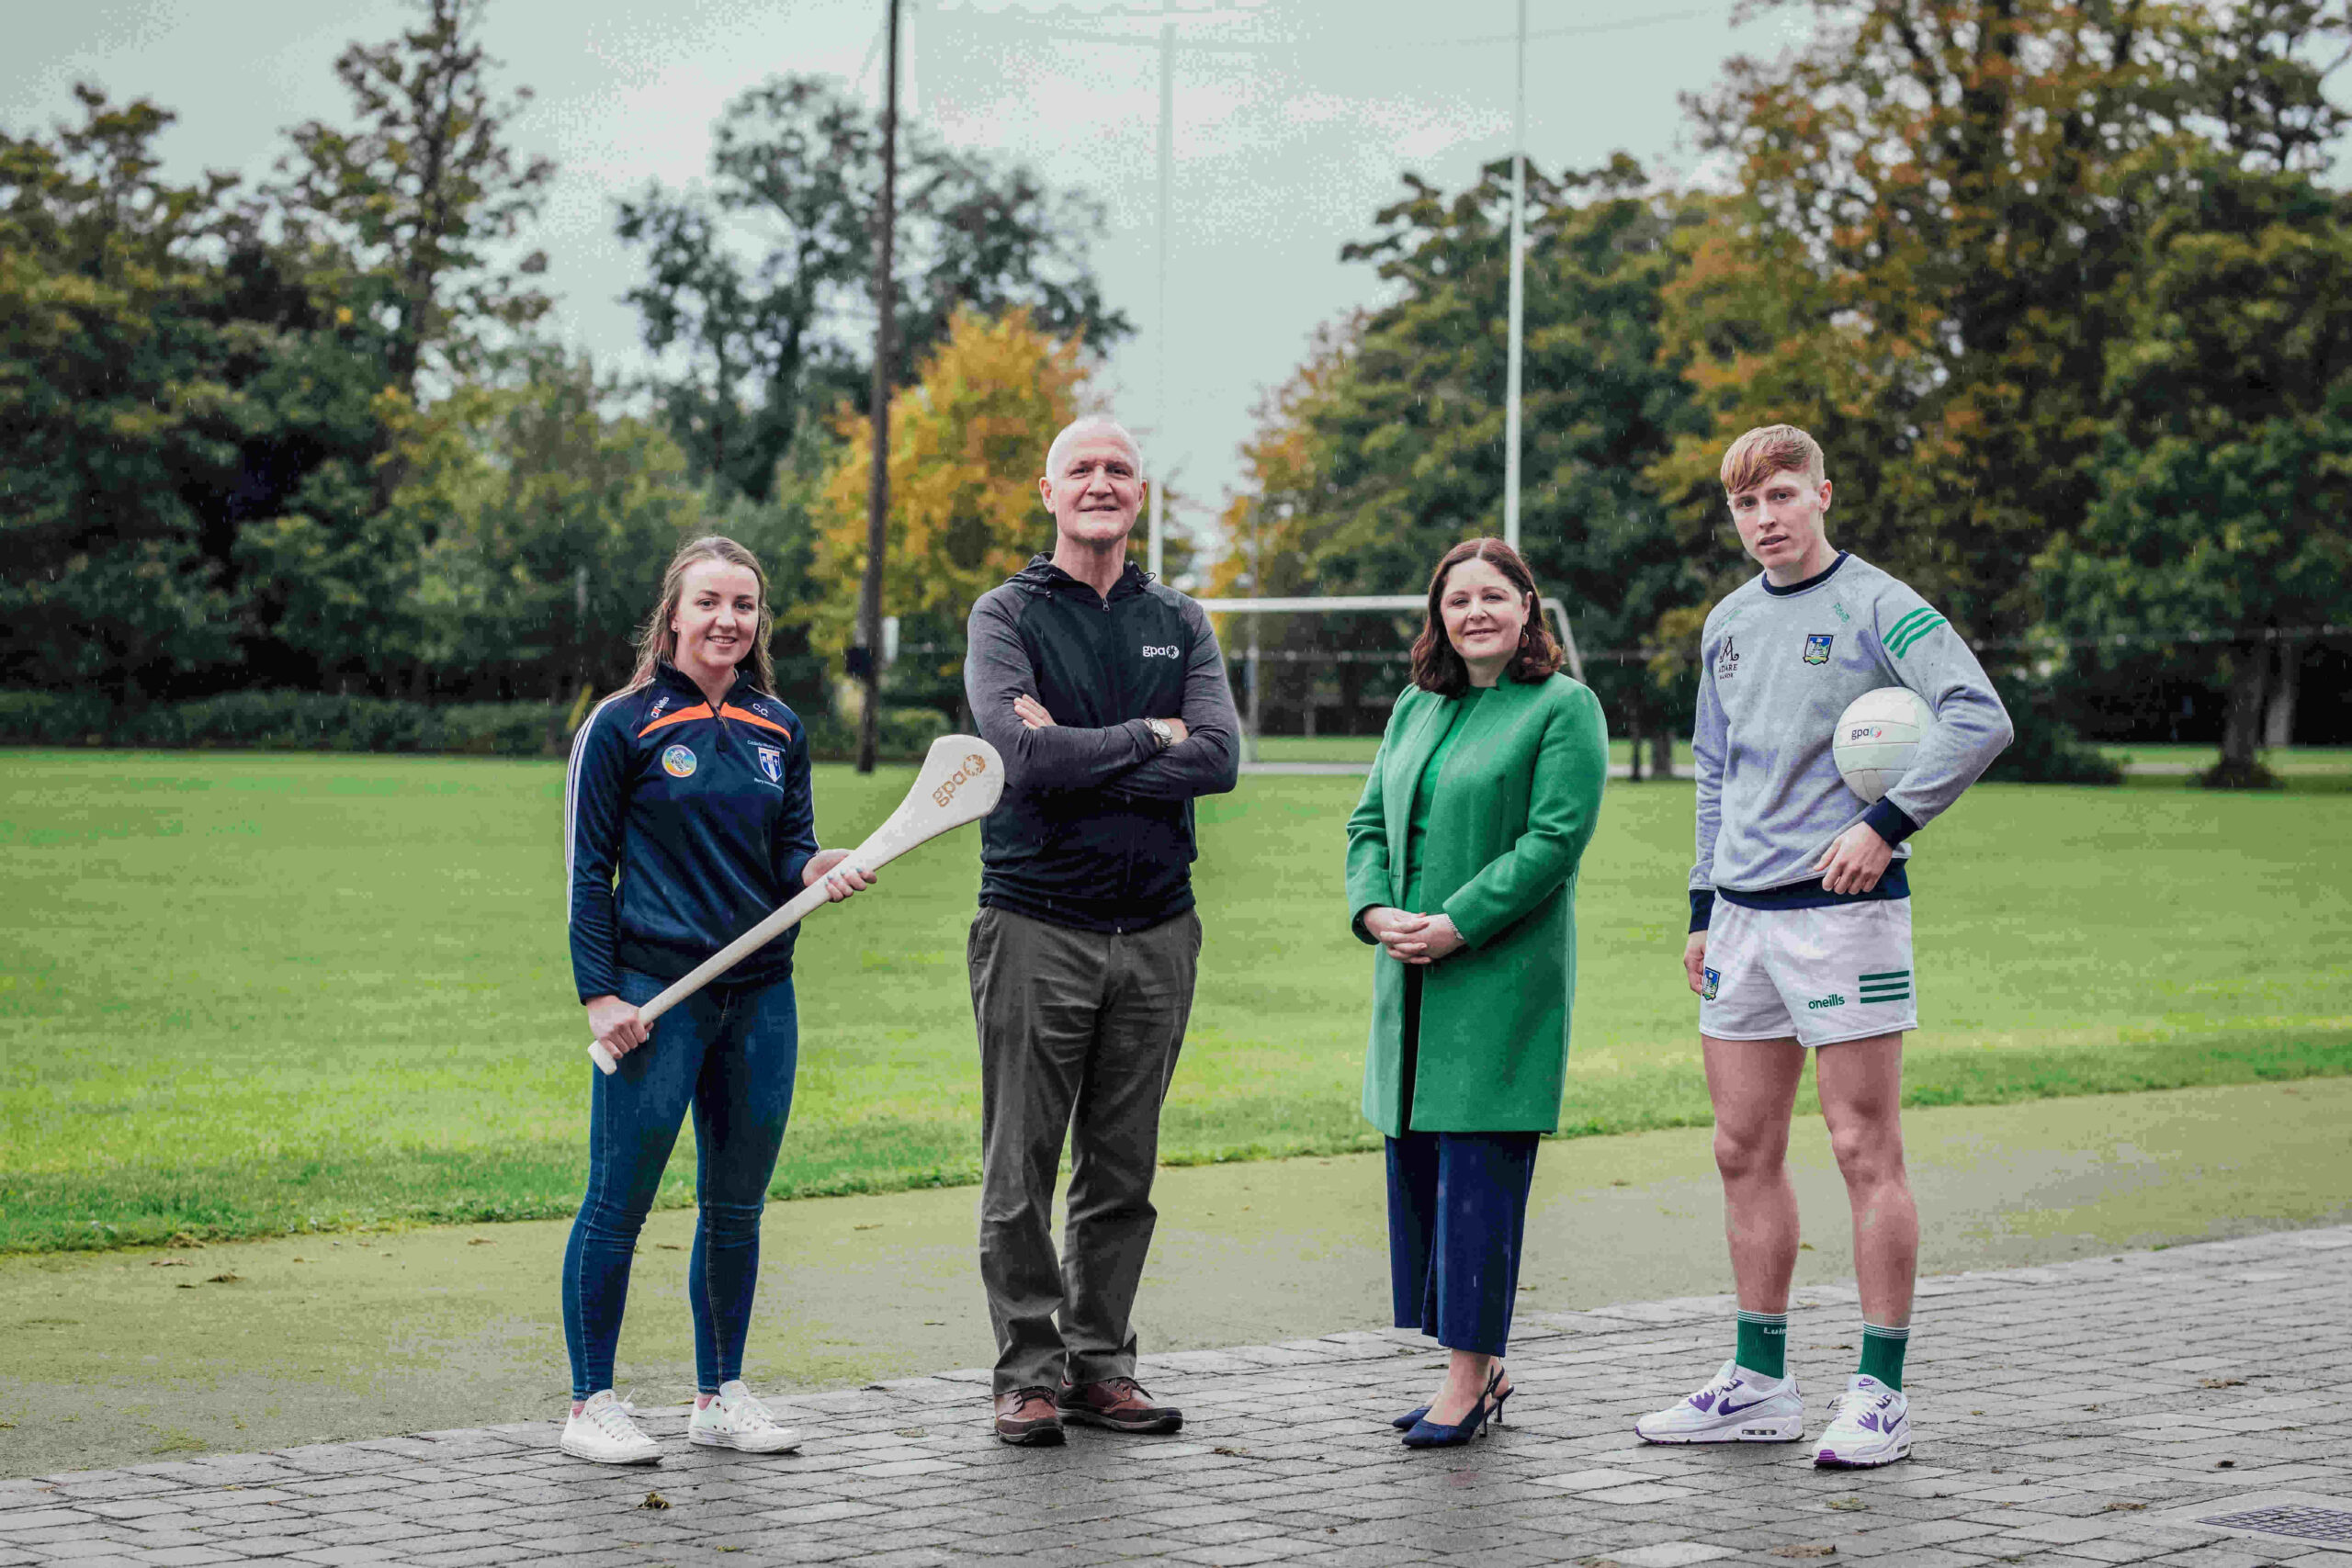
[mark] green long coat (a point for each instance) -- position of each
(1515, 805)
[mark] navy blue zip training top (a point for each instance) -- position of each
(706, 817)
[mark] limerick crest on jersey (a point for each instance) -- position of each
(1817, 647)
(772, 765)
(678, 762)
(1714, 983)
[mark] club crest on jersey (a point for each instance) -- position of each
(772, 765)
(1727, 661)
(1817, 647)
(1714, 983)
(678, 762)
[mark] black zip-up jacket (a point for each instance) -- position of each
(708, 819)
(1095, 828)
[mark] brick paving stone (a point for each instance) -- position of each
(2049, 1401)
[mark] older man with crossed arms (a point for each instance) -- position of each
(1107, 695)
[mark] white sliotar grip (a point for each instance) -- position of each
(961, 779)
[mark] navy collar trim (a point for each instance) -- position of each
(1816, 580)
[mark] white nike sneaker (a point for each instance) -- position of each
(1737, 1407)
(737, 1419)
(602, 1431)
(1872, 1426)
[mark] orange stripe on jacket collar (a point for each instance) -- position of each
(729, 710)
(700, 710)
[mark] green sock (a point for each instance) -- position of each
(1764, 1343)
(1883, 1353)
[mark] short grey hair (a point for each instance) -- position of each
(1078, 429)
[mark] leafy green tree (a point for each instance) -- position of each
(1390, 447)
(149, 348)
(768, 345)
(1933, 253)
(2224, 482)
(551, 518)
(410, 210)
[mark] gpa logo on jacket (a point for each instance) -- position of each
(772, 765)
(1153, 651)
(1714, 983)
(678, 762)
(1816, 648)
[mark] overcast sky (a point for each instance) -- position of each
(1293, 122)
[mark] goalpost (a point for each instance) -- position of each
(1390, 603)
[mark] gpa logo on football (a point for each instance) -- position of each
(1714, 982)
(678, 762)
(772, 765)
(1816, 648)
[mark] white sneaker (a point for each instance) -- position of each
(1872, 1426)
(602, 1431)
(737, 1419)
(1737, 1407)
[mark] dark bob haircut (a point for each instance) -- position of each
(1438, 668)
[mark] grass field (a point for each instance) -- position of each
(2300, 761)
(245, 994)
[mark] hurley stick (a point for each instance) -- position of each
(960, 782)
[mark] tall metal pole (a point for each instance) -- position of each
(878, 495)
(1518, 292)
(1167, 178)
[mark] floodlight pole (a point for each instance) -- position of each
(1518, 292)
(1159, 368)
(877, 494)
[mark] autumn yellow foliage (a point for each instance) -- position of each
(967, 442)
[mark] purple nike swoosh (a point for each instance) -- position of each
(1727, 1408)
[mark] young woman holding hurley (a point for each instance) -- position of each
(690, 789)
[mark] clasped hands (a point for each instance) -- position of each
(1413, 939)
(1033, 715)
(614, 1023)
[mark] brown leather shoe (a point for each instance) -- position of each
(1026, 1417)
(1121, 1404)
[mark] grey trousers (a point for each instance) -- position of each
(1079, 1037)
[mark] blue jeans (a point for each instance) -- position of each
(731, 1052)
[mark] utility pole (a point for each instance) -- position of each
(1257, 590)
(1159, 355)
(1518, 292)
(865, 660)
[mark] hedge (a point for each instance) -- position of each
(320, 721)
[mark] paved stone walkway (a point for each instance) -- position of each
(2085, 1413)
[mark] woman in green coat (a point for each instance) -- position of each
(1462, 868)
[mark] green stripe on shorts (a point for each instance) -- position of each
(1889, 975)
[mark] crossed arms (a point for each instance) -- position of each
(1120, 759)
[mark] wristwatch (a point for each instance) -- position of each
(1160, 732)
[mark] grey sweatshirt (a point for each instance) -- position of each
(1778, 666)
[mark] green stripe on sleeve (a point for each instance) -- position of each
(1897, 630)
(1910, 637)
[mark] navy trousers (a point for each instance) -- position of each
(1458, 1216)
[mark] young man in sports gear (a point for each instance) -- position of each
(1800, 931)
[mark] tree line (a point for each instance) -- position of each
(309, 432)
(2061, 287)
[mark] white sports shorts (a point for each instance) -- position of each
(1842, 972)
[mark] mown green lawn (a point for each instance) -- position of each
(247, 993)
